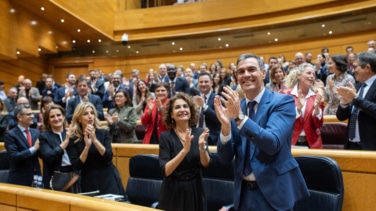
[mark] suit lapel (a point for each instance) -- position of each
(23, 137)
(370, 91)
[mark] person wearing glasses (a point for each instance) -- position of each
(122, 119)
(22, 146)
(358, 104)
(13, 118)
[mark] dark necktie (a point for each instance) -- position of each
(28, 137)
(247, 164)
(354, 115)
(201, 120)
(172, 88)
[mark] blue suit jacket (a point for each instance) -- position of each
(99, 85)
(212, 121)
(181, 85)
(93, 99)
(277, 172)
(22, 162)
(59, 94)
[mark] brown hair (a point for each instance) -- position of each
(46, 116)
(167, 119)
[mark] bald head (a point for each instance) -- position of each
(22, 100)
(299, 58)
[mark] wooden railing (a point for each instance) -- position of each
(14, 197)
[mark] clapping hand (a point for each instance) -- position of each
(203, 137)
(186, 141)
(347, 93)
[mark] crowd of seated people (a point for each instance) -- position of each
(330, 73)
(176, 106)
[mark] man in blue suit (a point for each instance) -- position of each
(208, 118)
(83, 96)
(22, 146)
(267, 177)
(66, 92)
(96, 85)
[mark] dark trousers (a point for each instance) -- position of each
(353, 146)
(253, 200)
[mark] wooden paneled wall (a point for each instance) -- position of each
(31, 68)
(336, 45)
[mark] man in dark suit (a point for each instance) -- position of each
(13, 118)
(108, 97)
(358, 105)
(176, 84)
(68, 91)
(83, 96)
(22, 145)
(267, 177)
(11, 99)
(208, 118)
(96, 85)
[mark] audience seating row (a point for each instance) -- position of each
(322, 175)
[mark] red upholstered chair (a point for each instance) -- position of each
(333, 135)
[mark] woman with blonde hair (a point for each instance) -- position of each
(309, 106)
(90, 152)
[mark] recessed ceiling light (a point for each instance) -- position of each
(39, 49)
(42, 8)
(227, 45)
(78, 30)
(12, 10)
(50, 32)
(117, 51)
(173, 43)
(33, 23)
(64, 42)
(93, 51)
(137, 52)
(180, 48)
(129, 46)
(219, 39)
(88, 41)
(18, 52)
(99, 40)
(73, 41)
(106, 51)
(323, 26)
(330, 32)
(57, 47)
(276, 39)
(62, 20)
(268, 33)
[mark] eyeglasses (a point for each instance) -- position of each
(28, 114)
(356, 66)
(119, 96)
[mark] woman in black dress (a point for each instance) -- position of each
(90, 152)
(53, 142)
(182, 154)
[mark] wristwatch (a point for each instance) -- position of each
(206, 148)
(241, 116)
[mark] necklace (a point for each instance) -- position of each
(182, 140)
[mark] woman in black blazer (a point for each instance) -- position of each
(53, 143)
